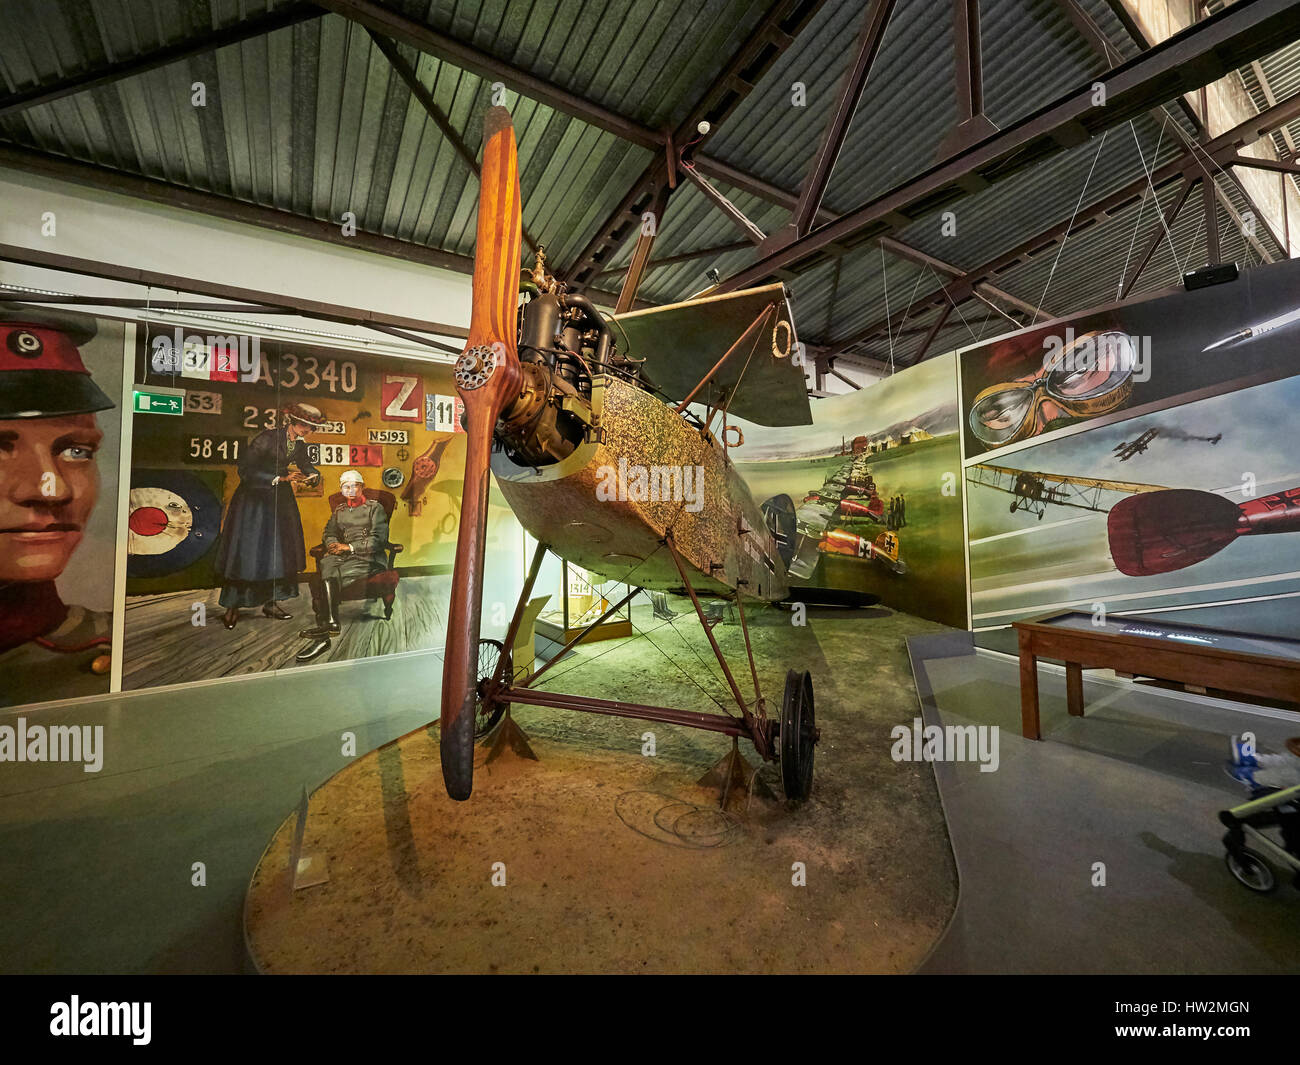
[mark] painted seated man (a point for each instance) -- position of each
(354, 541)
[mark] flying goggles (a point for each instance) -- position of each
(1089, 376)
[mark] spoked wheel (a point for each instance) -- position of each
(1251, 870)
(798, 735)
(488, 709)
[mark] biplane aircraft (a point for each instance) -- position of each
(1152, 529)
(557, 395)
(1128, 449)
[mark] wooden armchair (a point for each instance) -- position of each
(377, 585)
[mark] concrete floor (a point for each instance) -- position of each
(98, 868)
(1136, 784)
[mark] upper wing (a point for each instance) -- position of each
(682, 342)
(1065, 478)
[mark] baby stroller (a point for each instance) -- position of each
(1268, 808)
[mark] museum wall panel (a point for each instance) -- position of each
(230, 492)
(1140, 459)
(875, 486)
(60, 427)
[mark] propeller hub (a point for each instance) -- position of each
(475, 367)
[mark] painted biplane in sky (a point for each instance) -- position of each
(1152, 529)
(1128, 448)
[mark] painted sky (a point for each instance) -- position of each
(893, 399)
(1258, 437)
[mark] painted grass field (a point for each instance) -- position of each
(930, 544)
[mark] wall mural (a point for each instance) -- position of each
(291, 503)
(874, 487)
(288, 503)
(1168, 492)
(60, 427)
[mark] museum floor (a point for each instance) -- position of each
(1135, 784)
(99, 869)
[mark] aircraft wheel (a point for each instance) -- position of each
(488, 710)
(798, 735)
(1251, 870)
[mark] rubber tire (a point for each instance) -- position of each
(484, 728)
(798, 721)
(1269, 881)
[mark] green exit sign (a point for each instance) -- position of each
(160, 402)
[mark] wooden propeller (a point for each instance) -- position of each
(487, 378)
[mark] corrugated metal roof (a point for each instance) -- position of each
(312, 119)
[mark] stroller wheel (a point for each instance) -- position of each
(1250, 870)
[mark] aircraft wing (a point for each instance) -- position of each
(1063, 478)
(682, 341)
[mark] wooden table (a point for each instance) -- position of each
(1235, 662)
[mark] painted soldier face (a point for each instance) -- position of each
(48, 486)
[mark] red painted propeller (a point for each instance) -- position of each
(1159, 532)
(487, 378)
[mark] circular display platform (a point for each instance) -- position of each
(593, 859)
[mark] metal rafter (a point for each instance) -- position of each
(425, 99)
(425, 38)
(1186, 61)
(813, 190)
(774, 33)
(1218, 151)
(333, 312)
(1159, 231)
(1105, 46)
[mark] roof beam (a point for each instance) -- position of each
(332, 312)
(915, 255)
(968, 80)
(1217, 151)
(683, 257)
(425, 99)
(418, 35)
(1270, 99)
(1105, 47)
(1090, 31)
(774, 33)
(1186, 61)
(242, 30)
(1282, 166)
(854, 82)
(1159, 232)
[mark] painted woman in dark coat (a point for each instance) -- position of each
(262, 552)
